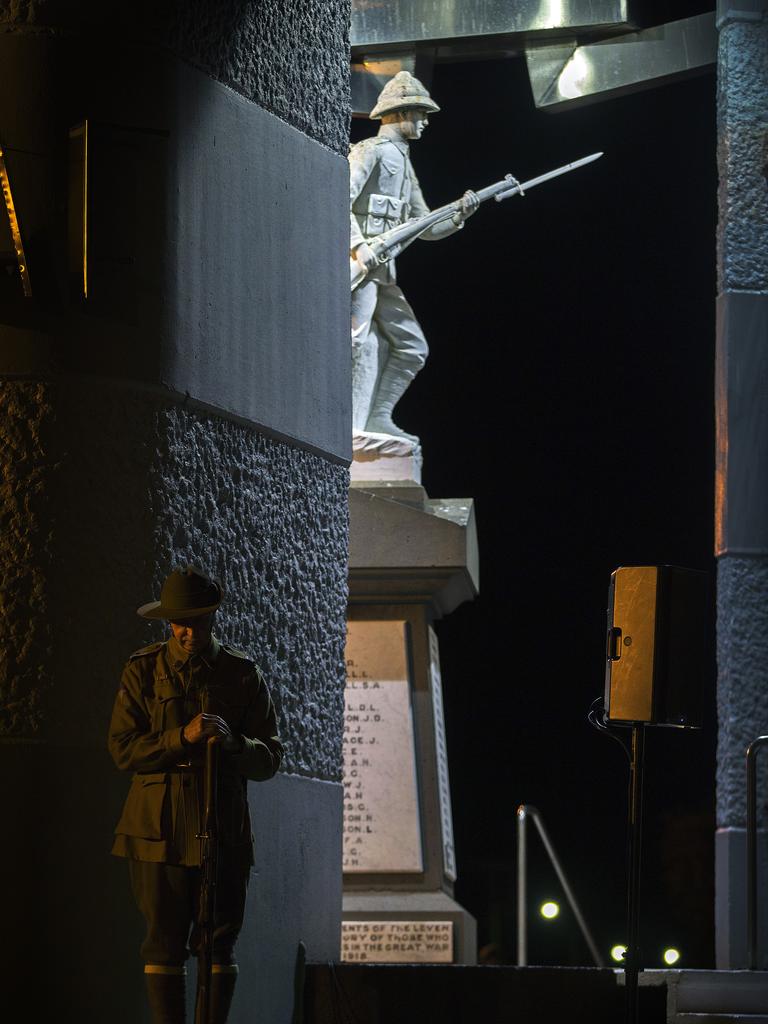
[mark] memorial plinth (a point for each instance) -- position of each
(412, 560)
(379, 458)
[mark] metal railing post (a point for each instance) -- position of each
(524, 811)
(522, 885)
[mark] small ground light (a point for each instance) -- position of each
(671, 955)
(617, 953)
(549, 909)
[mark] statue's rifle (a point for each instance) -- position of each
(209, 867)
(391, 243)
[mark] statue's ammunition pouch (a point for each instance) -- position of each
(383, 213)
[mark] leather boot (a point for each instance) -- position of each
(391, 388)
(166, 993)
(222, 989)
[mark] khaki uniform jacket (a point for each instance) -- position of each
(383, 188)
(162, 689)
(383, 193)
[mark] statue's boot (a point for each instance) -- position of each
(392, 386)
(166, 993)
(222, 989)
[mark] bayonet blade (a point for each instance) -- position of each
(524, 186)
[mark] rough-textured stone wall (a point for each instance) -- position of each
(270, 522)
(127, 486)
(743, 154)
(289, 56)
(27, 467)
(305, 79)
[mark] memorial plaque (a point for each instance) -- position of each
(382, 830)
(397, 942)
(443, 783)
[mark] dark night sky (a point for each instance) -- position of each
(569, 391)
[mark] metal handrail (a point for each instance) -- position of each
(752, 751)
(525, 811)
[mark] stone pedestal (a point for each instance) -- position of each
(412, 560)
(380, 458)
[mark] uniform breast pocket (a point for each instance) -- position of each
(231, 702)
(145, 807)
(389, 168)
(167, 706)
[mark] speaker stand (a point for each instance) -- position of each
(632, 959)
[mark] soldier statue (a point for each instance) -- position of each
(174, 696)
(388, 345)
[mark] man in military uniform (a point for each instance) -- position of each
(388, 345)
(173, 696)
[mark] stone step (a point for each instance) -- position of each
(452, 994)
(714, 995)
(718, 1018)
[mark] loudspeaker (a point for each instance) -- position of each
(657, 638)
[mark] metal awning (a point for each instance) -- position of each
(402, 24)
(565, 76)
(577, 51)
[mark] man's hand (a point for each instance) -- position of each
(468, 204)
(365, 256)
(203, 726)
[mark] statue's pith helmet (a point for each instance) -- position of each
(403, 92)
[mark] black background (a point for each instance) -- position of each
(569, 391)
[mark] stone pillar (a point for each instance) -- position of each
(742, 453)
(412, 560)
(176, 389)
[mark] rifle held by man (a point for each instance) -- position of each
(209, 866)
